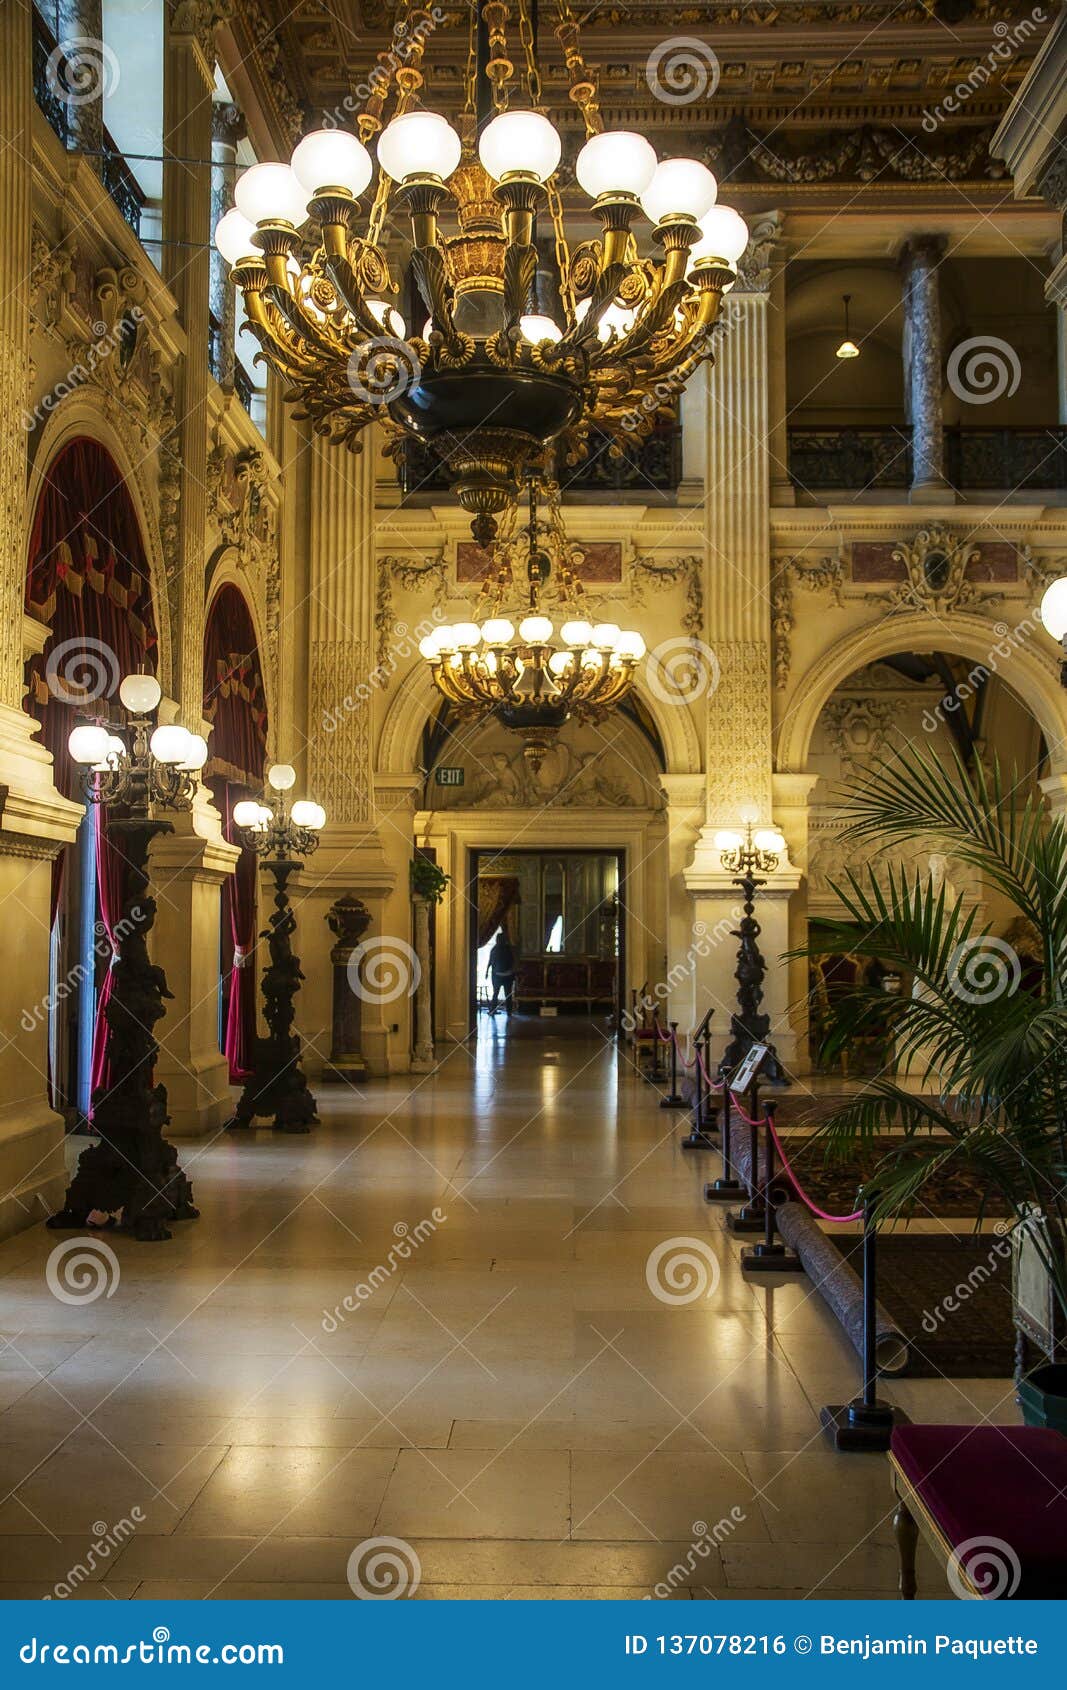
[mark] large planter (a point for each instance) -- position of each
(1043, 1397)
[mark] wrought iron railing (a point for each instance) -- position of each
(243, 386)
(1000, 458)
(857, 458)
(649, 467)
(976, 459)
(115, 173)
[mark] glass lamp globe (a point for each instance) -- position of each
(497, 631)
(1053, 610)
(631, 646)
(466, 635)
(520, 142)
(535, 630)
(617, 162)
(606, 636)
(271, 193)
(250, 813)
(535, 328)
(197, 753)
(420, 143)
(305, 813)
(428, 647)
(727, 839)
(724, 234)
(576, 633)
(170, 744)
(332, 158)
(281, 776)
(446, 640)
(387, 317)
(768, 839)
(561, 662)
(749, 813)
(681, 187)
(140, 694)
(233, 236)
(88, 743)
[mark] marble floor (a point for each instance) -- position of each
(432, 1321)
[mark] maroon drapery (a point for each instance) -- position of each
(110, 888)
(235, 705)
(496, 895)
(87, 578)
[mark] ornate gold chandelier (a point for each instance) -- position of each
(495, 374)
(529, 677)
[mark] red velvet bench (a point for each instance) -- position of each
(990, 1500)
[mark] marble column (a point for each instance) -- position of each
(83, 66)
(227, 129)
(920, 262)
(735, 431)
(35, 821)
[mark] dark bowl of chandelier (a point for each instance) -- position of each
(492, 380)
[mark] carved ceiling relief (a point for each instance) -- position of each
(832, 857)
(586, 767)
(412, 576)
(858, 729)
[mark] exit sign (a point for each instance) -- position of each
(450, 777)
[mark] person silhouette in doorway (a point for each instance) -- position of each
(501, 971)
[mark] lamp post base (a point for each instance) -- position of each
(277, 1088)
(857, 1426)
(131, 1179)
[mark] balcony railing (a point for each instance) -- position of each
(976, 459)
(864, 459)
(651, 466)
(115, 173)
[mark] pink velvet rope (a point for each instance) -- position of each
(814, 1207)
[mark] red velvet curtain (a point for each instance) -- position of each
(496, 895)
(87, 578)
(235, 704)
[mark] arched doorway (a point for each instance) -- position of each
(236, 706)
(949, 708)
(88, 586)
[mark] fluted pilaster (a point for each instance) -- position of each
(341, 588)
(16, 105)
(737, 479)
(187, 100)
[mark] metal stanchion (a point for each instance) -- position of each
(726, 1188)
(750, 1218)
(865, 1423)
(704, 1118)
(770, 1255)
(703, 1037)
(654, 1073)
(674, 1099)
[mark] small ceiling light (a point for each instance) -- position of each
(848, 347)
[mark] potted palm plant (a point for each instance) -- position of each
(982, 1045)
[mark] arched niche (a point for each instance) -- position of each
(86, 414)
(226, 571)
(1015, 654)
